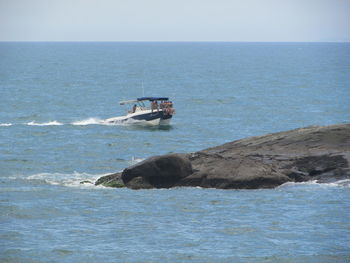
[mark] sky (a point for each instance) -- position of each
(175, 20)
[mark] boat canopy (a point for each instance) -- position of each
(152, 98)
(142, 99)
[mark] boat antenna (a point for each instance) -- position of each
(143, 90)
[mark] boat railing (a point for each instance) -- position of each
(166, 106)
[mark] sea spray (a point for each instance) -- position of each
(50, 123)
(340, 183)
(74, 179)
(89, 121)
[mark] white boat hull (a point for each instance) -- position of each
(142, 117)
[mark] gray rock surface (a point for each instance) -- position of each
(312, 153)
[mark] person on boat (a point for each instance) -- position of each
(154, 105)
(134, 108)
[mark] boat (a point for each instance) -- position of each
(159, 112)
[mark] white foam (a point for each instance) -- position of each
(132, 122)
(50, 123)
(340, 183)
(127, 122)
(343, 183)
(84, 122)
(5, 124)
(121, 122)
(135, 160)
(69, 180)
(89, 121)
(297, 183)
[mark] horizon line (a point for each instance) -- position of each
(160, 41)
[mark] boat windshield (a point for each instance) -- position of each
(141, 104)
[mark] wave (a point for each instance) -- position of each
(70, 180)
(86, 180)
(50, 123)
(340, 183)
(5, 124)
(75, 179)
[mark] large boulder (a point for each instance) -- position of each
(312, 153)
(158, 172)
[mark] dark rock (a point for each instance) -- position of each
(86, 182)
(158, 172)
(227, 173)
(111, 180)
(312, 153)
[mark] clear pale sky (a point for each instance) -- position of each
(175, 20)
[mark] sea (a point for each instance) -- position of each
(54, 97)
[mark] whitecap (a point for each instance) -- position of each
(5, 124)
(50, 123)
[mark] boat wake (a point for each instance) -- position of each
(96, 121)
(50, 123)
(140, 115)
(89, 121)
(84, 122)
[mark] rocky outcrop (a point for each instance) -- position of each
(111, 180)
(312, 153)
(158, 172)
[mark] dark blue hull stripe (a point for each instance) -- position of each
(151, 116)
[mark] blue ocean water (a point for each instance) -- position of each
(53, 97)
